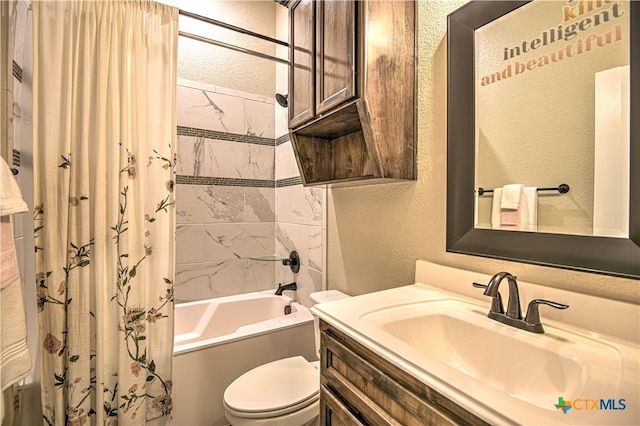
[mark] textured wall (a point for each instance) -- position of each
(376, 233)
(199, 61)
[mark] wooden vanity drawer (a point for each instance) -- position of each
(376, 392)
(334, 412)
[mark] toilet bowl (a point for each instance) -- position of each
(285, 392)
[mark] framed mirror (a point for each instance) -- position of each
(578, 33)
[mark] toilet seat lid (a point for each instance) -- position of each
(274, 386)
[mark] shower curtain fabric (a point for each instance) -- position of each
(104, 138)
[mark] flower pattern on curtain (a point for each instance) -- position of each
(104, 131)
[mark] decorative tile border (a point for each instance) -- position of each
(288, 182)
(17, 71)
(213, 134)
(216, 181)
(16, 158)
(282, 139)
(249, 183)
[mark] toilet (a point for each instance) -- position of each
(285, 392)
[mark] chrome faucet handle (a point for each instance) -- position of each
(532, 319)
(496, 302)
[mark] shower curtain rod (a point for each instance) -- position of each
(231, 46)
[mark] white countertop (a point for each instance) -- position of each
(618, 326)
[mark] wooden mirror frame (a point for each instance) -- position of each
(604, 255)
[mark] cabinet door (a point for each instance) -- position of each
(301, 57)
(335, 53)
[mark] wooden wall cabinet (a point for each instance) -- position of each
(302, 59)
(358, 387)
(352, 90)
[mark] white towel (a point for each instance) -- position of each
(475, 208)
(531, 198)
(495, 208)
(9, 272)
(15, 362)
(511, 196)
(10, 197)
(10, 202)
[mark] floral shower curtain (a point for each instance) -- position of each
(104, 130)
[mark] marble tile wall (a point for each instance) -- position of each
(239, 196)
(300, 224)
(225, 195)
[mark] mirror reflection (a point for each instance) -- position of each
(552, 108)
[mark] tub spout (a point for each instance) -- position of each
(281, 288)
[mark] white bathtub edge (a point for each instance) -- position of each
(301, 316)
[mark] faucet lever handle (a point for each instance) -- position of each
(533, 314)
(496, 302)
(550, 303)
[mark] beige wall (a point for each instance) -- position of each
(376, 233)
(199, 61)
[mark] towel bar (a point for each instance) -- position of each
(563, 188)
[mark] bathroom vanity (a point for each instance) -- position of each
(427, 353)
(360, 387)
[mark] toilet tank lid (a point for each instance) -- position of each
(327, 296)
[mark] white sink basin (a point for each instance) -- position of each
(523, 365)
(588, 353)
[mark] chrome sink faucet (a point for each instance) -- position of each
(513, 316)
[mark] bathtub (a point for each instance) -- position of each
(217, 340)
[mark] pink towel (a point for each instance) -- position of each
(512, 216)
(528, 217)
